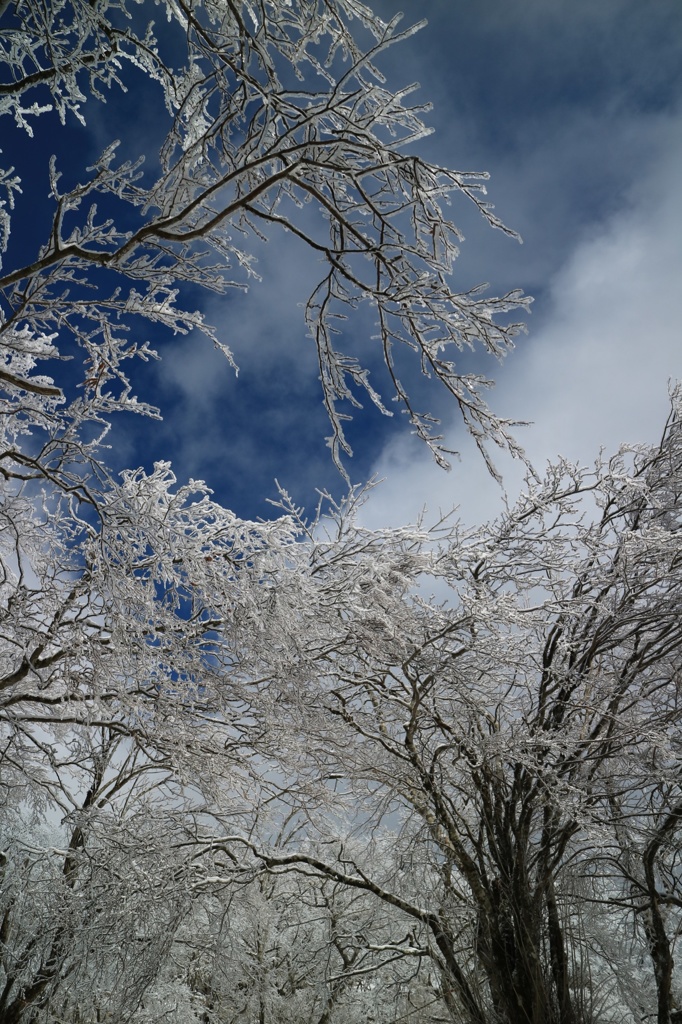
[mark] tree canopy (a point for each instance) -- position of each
(254, 771)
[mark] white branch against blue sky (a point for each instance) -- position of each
(575, 110)
(249, 768)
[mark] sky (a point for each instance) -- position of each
(575, 109)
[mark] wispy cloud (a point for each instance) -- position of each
(568, 104)
(594, 374)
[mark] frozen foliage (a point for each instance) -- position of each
(278, 119)
(250, 771)
(258, 770)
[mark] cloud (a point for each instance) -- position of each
(594, 373)
(558, 103)
(239, 432)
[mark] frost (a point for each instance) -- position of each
(249, 769)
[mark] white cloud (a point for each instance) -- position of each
(595, 373)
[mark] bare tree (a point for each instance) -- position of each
(125, 604)
(506, 741)
(222, 698)
(259, 741)
(278, 119)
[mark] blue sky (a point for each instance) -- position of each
(575, 108)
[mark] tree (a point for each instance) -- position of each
(499, 771)
(519, 744)
(248, 770)
(277, 119)
(114, 592)
(117, 650)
